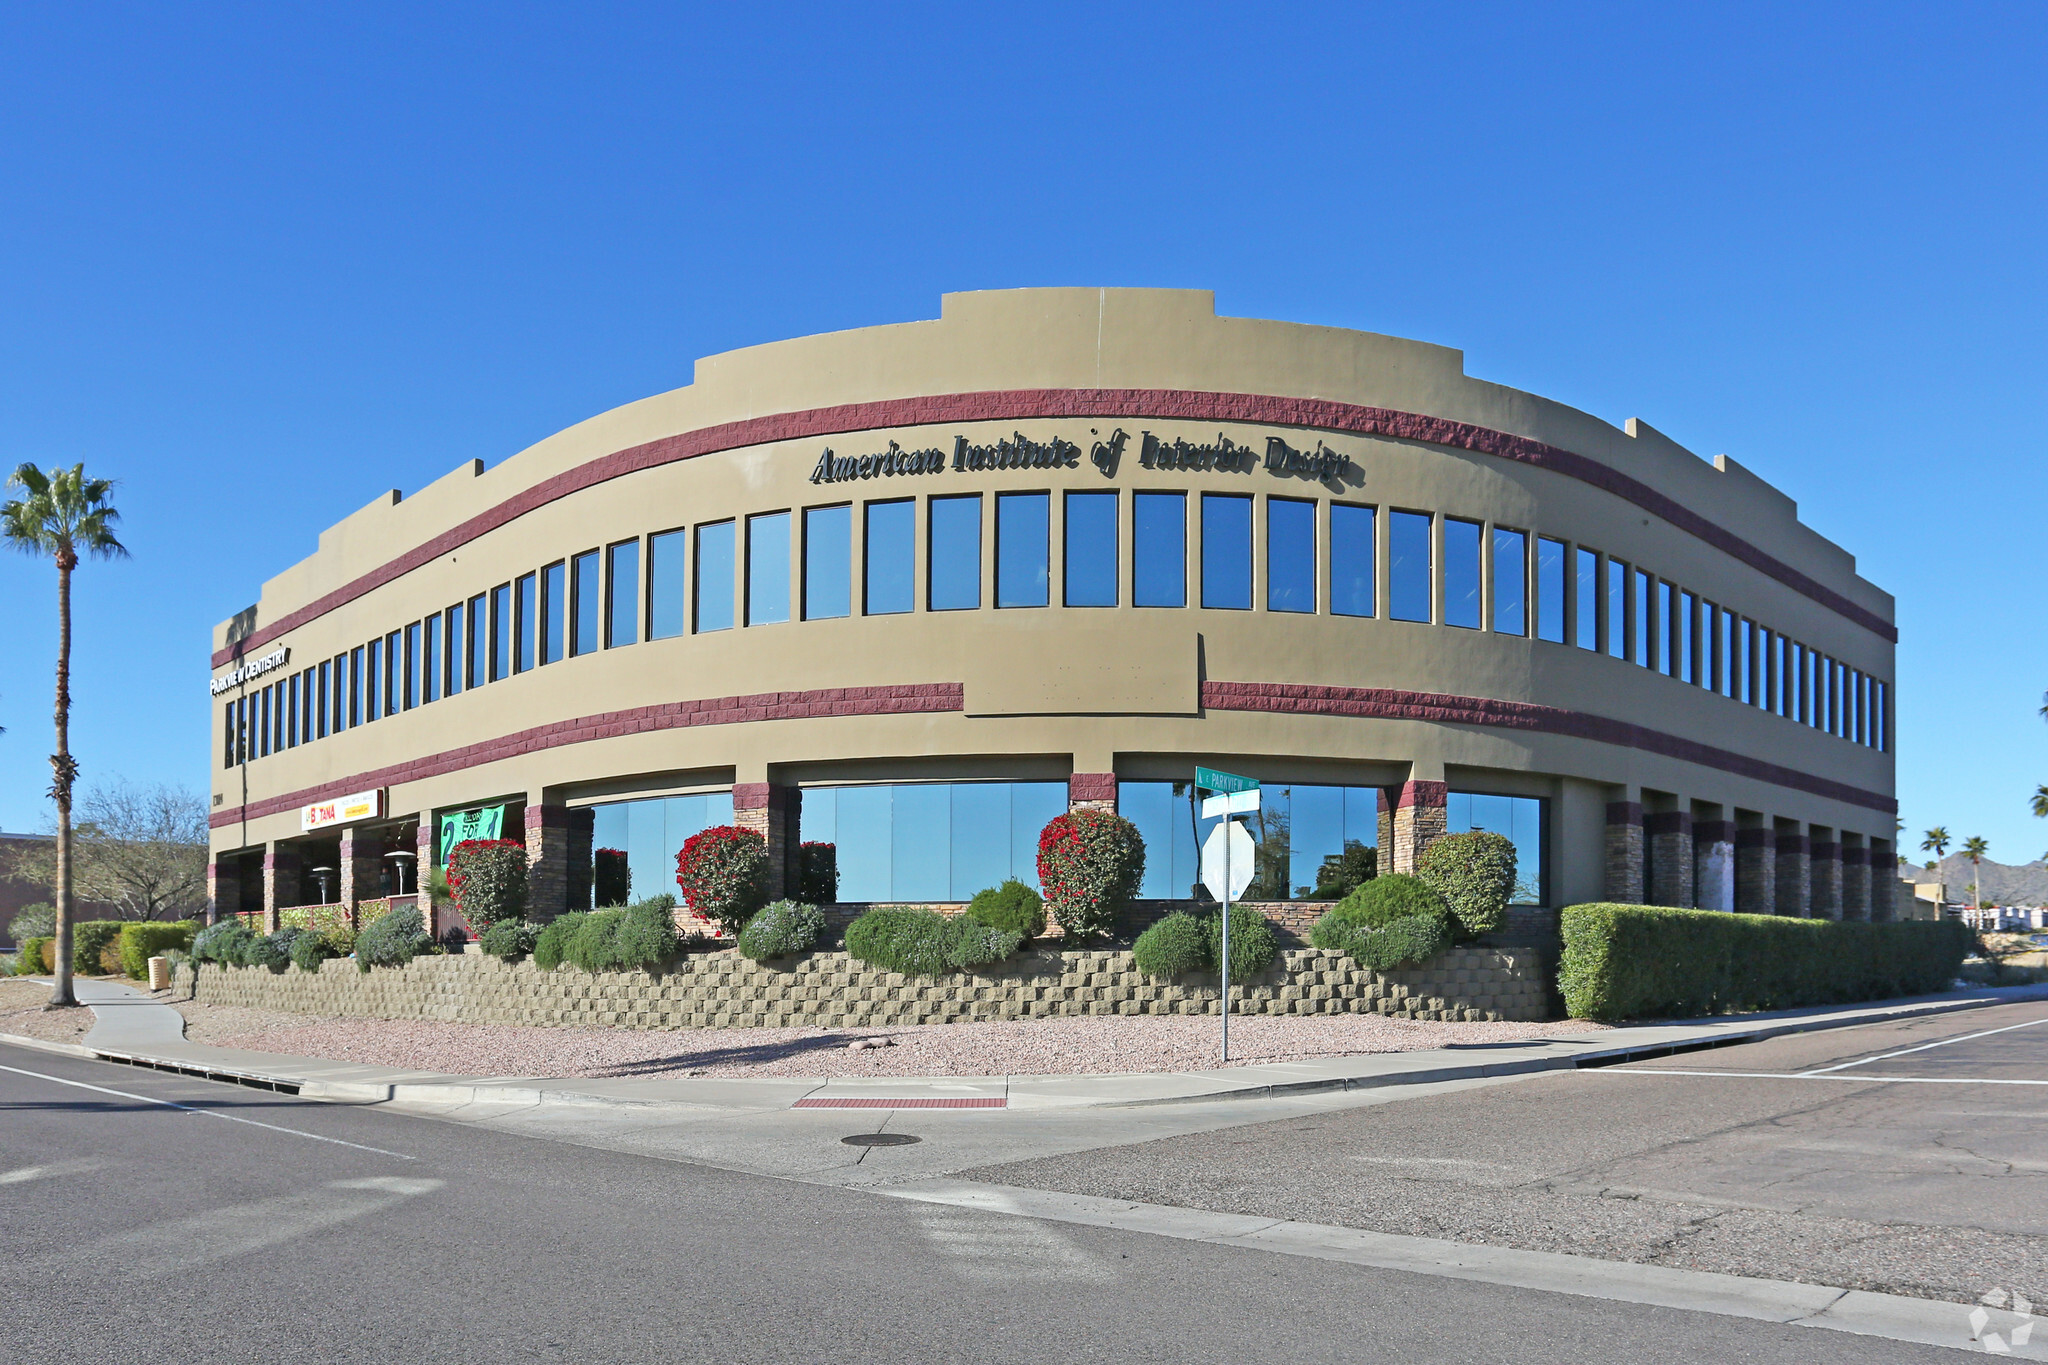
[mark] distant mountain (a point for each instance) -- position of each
(2003, 883)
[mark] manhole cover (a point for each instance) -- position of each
(880, 1140)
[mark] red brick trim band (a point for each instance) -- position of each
(1379, 703)
(1754, 836)
(1024, 404)
(1435, 795)
(1714, 831)
(1624, 812)
(1668, 822)
(1792, 843)
(901, 699)
(1091, 787)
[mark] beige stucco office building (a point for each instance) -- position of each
(910, 590)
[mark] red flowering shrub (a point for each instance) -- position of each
(1089, 861)
(723, 873)
(487, 878)
(613, 875)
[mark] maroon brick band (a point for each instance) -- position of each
(1028, 404)
(1091, 787)
(1377, 703)
(902, 699)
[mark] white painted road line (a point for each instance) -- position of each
(209, 1113)
(1810, 1076)
(1939, 1042)
(1895, 1317)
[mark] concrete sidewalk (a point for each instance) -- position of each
(135, 1028)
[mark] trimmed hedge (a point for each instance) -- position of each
(1012, 907)
(1182, 943)
(1382, 948)
(1381, 901)
(919, 942)
(88, 940)
(141, 942)
(1475, 874)
(627, 938)
(310, 949)
(508, 940)
(1645, 961)
(30, 960)
(780, 930)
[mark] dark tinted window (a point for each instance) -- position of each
(1159, 549)
(1088, 568)
(1227, 551)
(1290, 555)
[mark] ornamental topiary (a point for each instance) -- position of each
(310, 950)
(723, 873)
(781, 929)
(394, 940)
(508, 940)
(1475, 874)
(817, 880)
(1089, 862)
(1175, 946)
(1012, 907)
(1343, 873)
(918, 942)
(487, 878)
(611, 875)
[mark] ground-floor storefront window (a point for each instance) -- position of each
(650, 833)
(1519, 819)
(931, 841)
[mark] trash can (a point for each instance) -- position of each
(159, 973)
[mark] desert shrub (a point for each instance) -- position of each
(924, 942)
(1343, 873)
(509, 940)
(1089, 862)
(394, 940)
(1385, 946)
(817, 879)
(1252, 945)
(1012, 907)
(90, 939)
(268, 950)
(547, 944)
(633, 937)
(781, 929)
(33, 960)
(1174, 946)
(1383, 900)
(141, 942)
(487, 878)
(1643, 961)
(723, 873)
(221, 942)
(33, 921)
(311, 949)
(611, 876)
(1475, 874)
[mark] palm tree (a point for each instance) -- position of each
(2041, 802)
(1936, 842)
(62, 514)
(1974, 849)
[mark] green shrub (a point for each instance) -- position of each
(723, 874)
(487, 878)
(781, 929)
(1252, 945)
(635, 937)
(33, 921)
(1089, 862)
(220, 942)
(1475, 874)
(1174, 946)
(817, 881)
(1383, 900)
(30, 961)
(1643, 961)
(925, 943)
(394, 940)
(508, 940)
(88, 940)
(1383, 947)
(547, 944)
(1343, 873)
(311, 949)
(141, 942)
(1012, 907)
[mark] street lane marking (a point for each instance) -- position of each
(1005, 1251)
(1939, 1042)
(209, 1113)
(23, 1174)
(1813, 1076)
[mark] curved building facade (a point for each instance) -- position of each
(911, 590)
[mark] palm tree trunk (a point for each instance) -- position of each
(60, 790)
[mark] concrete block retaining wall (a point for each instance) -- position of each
(725, 990)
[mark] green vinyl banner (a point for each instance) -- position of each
(457, 826)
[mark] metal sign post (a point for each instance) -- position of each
(1227, 858)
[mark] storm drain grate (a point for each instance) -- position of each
(865, 1102)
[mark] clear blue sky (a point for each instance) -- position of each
(260, 263)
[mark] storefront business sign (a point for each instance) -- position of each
(255, 668)
(485, 822)
(1019, 451)
(343, 810)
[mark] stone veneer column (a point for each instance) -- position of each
(1884, 873)
(1795, 876)
(216, 890)
(1419, 819)
(1855, 880)
(1756, 871)
(1092, 791)
(764, 808)
(1624, 881)
(548, 832)
(1713, 884)
(281, 867)
(1669, 833)
(362, 854)
(1824, 878)
(1385, 861)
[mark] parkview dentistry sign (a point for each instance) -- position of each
(255, 668)
(1020, 452)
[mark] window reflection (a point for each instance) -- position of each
(1352, 559)
(768, 569)
(583, 613)
(828, 562)
(1461, 573)
(1587, 587)
(650, 833)
(1300, 834)
(715, 569)
(1227, 551)
(622, 594)
(1088, 569)
(1290, 555)
(1408, 565)
(954, 558)
(1159, 549)
(889, 550)
(1519, 819)
(1023, 547)
(667, 608)
(931, 841)
(1550, 589)
(1510, 582)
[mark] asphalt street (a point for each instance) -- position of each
(1906, 1158)
(153, 1217)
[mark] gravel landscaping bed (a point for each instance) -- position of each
(1023, 1047)
(22, 1012)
